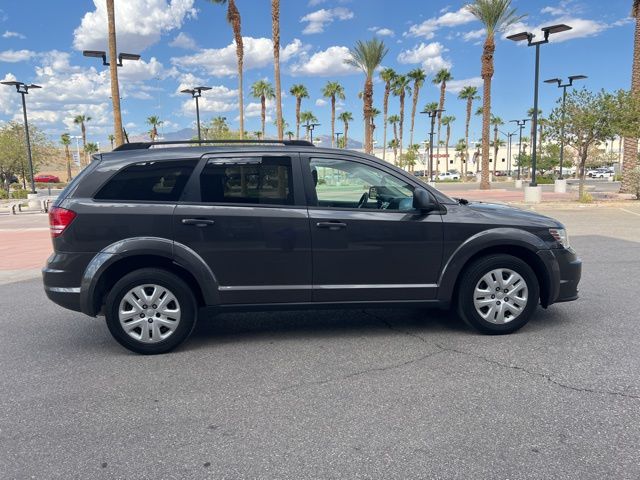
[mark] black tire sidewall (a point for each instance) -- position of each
(473, 274)
(158, 277)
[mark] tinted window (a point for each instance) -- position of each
(349, 184)
(247, 180)
(149, 181)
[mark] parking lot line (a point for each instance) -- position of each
(629, 211)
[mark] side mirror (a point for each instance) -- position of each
(373, 193)
(422, 201)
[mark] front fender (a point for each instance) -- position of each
(145, 246)
(487, 239)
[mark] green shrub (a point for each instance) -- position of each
(586, 198)
(3, 194)
(19, 194)
(544, 180)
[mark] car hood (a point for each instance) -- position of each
(506, 214)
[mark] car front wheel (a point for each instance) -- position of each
(150, 311)
(498, 294)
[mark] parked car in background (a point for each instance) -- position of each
(600, 173)
(44, 178)
(449, 176)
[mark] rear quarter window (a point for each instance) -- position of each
(149, 181)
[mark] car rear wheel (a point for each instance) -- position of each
(150, 311)
(498, 294)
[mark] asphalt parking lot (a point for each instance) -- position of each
(338, 394)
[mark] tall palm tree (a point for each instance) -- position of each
(154, 122)
(469, 94)
(65, 139)
(307, 118)
(91, 148)
(496, 122)
(401, 86)
(393, 120)
(441, 78)
(496, 15)
(387, 75)
(430, 107)
(374, 113)
(275, 28)
(333, 90)
(264, 91)
(289, 134)
(367, 56)
(447, 121)
(113, 73)
(346, 117)
(418, 76)
(82, 120)
(299, 91)
(393, 144)
(630, 155)
(233, 17)
(111, 138)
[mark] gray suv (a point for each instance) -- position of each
(152, 236)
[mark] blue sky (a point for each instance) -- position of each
(188, 42)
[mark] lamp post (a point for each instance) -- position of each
(338, 138)
(521, 124)
(564, 101)
(23, 89)
(509, 137)
(432, 115)
(196, 92)
(528, 36)
(310, 127)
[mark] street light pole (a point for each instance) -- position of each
(528, 36)
(310, 127)
(432, 115)
(338, 138)
(509, 137)
(521, 124)
(196, 92)
(23, 89)
(564, 102)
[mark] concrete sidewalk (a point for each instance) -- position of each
(25, 245)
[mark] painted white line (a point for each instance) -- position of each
(629, 211)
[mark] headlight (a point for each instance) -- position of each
(560, 235)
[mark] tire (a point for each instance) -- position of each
(508, 313)
(150, 330)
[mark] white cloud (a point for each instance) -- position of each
(8, 34)
(427, 54)
(140, 23)
(318, 20)
(221, 62)
(428, 28)
(383, 32)
(321, 102)
(455, 86)
(553, 11)
(183, 40)
(329, 62)
(474, 34)
(581, 28)
(8, 96)
(14, 56)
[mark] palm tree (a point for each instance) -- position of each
(367, 56)
(111, 138)
(65, 139)
(346, 117)
(469, 94)
(154, 122)
(418, 76)
(333, 90)
(393, 120)
(374, 113)
(430, 107)
(113, 73)
(496, 122)
(496, 15)
(258, 134)
(82, 120)
(289, 134)
(447, 121)
(307, 118)
(299, 91)
(387, 75)
(394, 145)
(401, 86)
(91, 148)
(630, 155)
(233, 17)
(264, 91)
(275, 28)
(441, 78)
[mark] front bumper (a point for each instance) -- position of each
(564, 270)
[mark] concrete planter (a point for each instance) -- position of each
(34, 203)
(560, 186)
(518, 183)
(532, 194)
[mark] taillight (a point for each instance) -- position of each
(59, 220)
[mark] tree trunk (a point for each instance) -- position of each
(275, 21)
(113, 70)
(298, 103)
(443, 89)
(584, 152)
(630, 156)
(385, 108)
(68, 157)
(414, 108)
(233, 16)
(446, 147)
(401, 120)
(367, 108)
(495, 148)
(466, 136)
(263, 112)
(346, 134)
(84, 144)
(333, 119)
(487, 75)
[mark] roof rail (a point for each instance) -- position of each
(147, 145)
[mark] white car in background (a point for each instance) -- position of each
(600, 173)
(449, 176)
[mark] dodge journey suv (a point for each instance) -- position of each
(152, 236)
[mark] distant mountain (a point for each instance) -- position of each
(325, 141)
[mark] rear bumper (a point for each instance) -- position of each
(564, 270)
(61, 278)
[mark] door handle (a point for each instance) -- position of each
(198, 222)
(331, 225)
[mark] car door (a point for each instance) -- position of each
(369, 244)
(245, 215)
